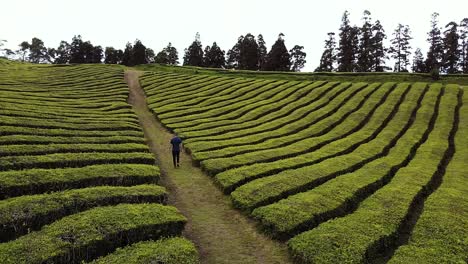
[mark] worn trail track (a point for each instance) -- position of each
(221, 233)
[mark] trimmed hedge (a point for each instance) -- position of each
(20, 215)
(61, 160)
(36, 181)
(390, 209)
(90, 234)
(175, 250)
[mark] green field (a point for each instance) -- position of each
(343, 168)
(344, 171)
(77, 180)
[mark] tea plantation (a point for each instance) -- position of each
(342, 169)
(77, 180)
(345, 172)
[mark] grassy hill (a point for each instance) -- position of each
(344, 167)
(77, 180)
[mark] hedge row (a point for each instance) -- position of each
(175, 250)
(306, 210)
(302, 142)
(18, 150)
(60, 160)
(280, 127)
(440, 234)
(296, 110)
(270, 189)
(14, 130)
(221, 101)
(20, 215)
(90, 234)
(387, 209)
(36, 181)
(364, 131)
(13, 139)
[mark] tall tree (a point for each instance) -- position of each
(38, 52)
(347, 46)
(418, 62)
(214, 57)
(23, 50)
(139, 53)
(150, 56)
(249, 53)
(7, 52)
(233, 55)
(194, 53)
(63, 53)
(161, 57)
(378, 50)
(97, 54)
(113, 56)
(400, 48)
(172, 55)
(77, 50)
(364, 56)
(127, 56)
(168, 55)
(451, 48)
(262, 52)
(464, 45)
(297, 56)
(278, 58)
(329, 54)
(435, 53)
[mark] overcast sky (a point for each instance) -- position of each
(155, 23)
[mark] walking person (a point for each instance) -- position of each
(176, 144)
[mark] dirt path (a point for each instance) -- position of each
(221, 233)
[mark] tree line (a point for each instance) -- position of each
(361, 48)
(358, 49)
(249, 53)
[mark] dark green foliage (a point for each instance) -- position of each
(139, 53)
(62, 53)
(297, 58)
(194, 53)
(113, 56)
(435, 74)
(347, 46)
(262, 52)
(214, 57)
(464, 45)
(37, 52)
(451, 48)
(168, 251)
(167, 55)
(23, 214)
(93, 233)
(436, 49)
(329, 55)
(249, 55)
(127, 57)
(233, 55)
(83, 51)
(418, 62)
(400, 48)
(378, 50)
(150, 56)
(278, 58)
(161, 58)
(23, 50)
(364, 56)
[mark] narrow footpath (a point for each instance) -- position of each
(221, 233)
